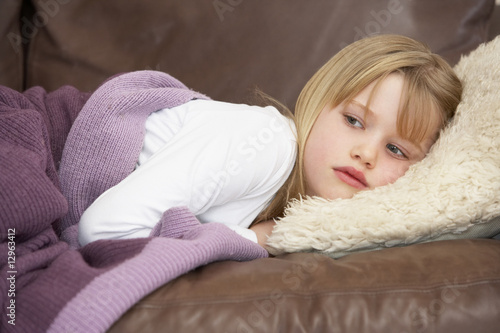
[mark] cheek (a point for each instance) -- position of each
(315, 149)
(392, 172)
(310, 161)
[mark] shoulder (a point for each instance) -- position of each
(267, 123)
(247, 150)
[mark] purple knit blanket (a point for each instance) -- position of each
(51, 285)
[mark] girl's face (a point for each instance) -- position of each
(352, 148)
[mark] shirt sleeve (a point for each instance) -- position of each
(244, 232)
(225, 164)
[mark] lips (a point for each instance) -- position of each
(351, 177)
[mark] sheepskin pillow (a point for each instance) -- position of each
(453, 193)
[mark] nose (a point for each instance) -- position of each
(366, 153)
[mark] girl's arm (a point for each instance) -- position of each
(263, 231)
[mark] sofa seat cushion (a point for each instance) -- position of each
(446, 286)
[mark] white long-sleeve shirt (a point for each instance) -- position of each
(224, 161)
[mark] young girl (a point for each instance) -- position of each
(369, 113)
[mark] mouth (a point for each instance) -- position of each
(351, 177)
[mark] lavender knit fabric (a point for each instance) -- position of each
(104, 144)
(46, 284)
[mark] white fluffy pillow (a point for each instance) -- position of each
(453, 193)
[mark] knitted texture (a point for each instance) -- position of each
(33, 129)
(161, 260)
(106, 139)
(59, 289)
(173, 224)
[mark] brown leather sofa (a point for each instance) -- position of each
(226, 49)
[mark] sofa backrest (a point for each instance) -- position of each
(223, 48)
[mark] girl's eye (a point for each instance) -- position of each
(353, 121)
(395, 150)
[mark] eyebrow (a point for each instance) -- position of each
(361, 105)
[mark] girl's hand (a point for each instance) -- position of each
(263, 230)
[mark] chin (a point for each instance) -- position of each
(338, 191)
(339, 195)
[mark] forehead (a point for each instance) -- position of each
(382, 97)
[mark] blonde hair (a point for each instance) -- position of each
(430, 86)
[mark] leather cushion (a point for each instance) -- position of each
(446, 286)
(225, 48)
(15, 37)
